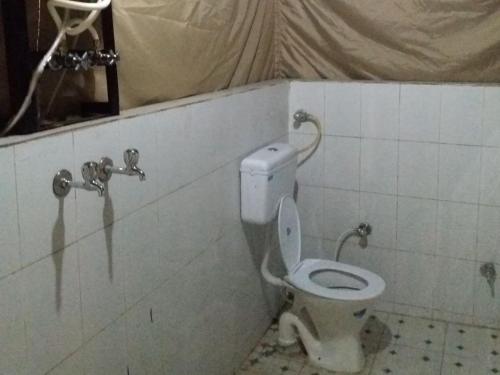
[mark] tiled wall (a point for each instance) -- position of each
(157, 277)
(421, 163)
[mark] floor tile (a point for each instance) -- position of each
(417, 333)
(405, 360)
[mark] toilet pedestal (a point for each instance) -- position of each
(328, 329)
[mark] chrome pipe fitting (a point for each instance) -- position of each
(300, 117)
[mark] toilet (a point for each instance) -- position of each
(332, 300)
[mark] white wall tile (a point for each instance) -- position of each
(13, 354)
(139, 242)
(490, 180)
(491, 116)
(343, 109)
(212, 127)
(417, 223)
(459, 173)
(420, 112)
(106, 353)
(457, 230)
(342, 159)
(311, 172)
(488, 235)
(380, 110)
(311, 209)
(102, 276)
(10, 257)
(275, 117)
(190, 220)
(176, 158)
(418, 169)
(315, 248)
(454, 290)
(341, 212)
(144, 341)
(36, 165)
(415, 279)
(461, 114)
(379, 211)
(70, 366)
(383, 263)
(91, 144)
(379, 166)
(310, 97)
(52, 309)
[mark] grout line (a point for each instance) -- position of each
(401, 195)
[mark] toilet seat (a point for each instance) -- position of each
(343, 281)
(323, 278)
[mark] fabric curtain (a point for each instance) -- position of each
(177, 48)
(410, 40)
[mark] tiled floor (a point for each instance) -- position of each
(394, 344)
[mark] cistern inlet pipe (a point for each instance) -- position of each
(300, 117)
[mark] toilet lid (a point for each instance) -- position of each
(289, 232)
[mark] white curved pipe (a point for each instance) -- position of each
(270, 278)
(288, 322)
(93, 8)
(341, 241)
(81, 5)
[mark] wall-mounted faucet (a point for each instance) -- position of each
(489, 272)
(63, 181)
(131, 159)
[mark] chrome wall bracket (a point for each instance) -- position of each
(61, 185)
(63, 181)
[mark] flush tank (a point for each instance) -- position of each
(266, 176)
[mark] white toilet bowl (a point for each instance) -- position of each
(332, 300)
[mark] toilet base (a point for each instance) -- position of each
(342, 353)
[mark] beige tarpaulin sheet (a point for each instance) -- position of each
(417, 40)
(172, 49)
(177, 48)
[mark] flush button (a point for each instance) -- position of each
(273, 149)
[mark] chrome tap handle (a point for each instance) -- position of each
(89, 171)
(131, 158)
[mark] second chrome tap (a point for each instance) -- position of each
(131, 159)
